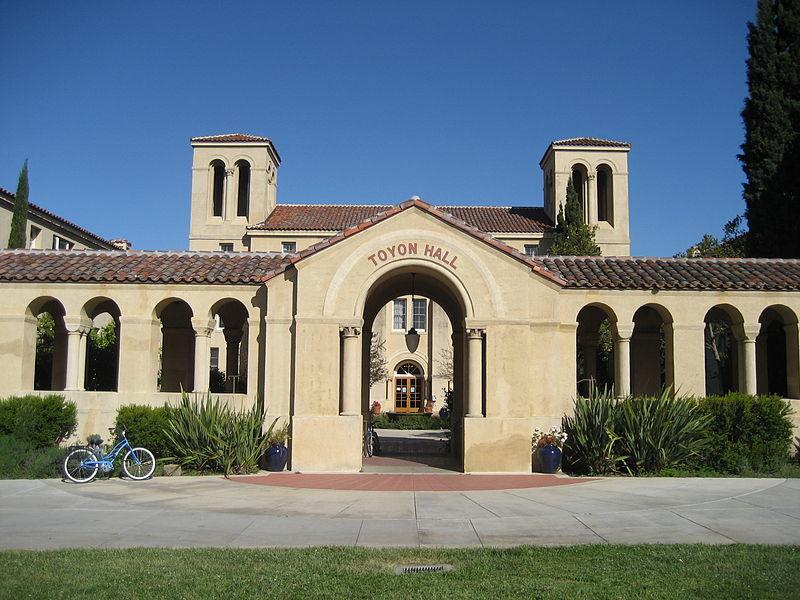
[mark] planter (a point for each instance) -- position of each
(277, 455)
(375, 409)
(549, 459)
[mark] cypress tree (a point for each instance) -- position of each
(771, 117)
(19, 220)
(573, 236)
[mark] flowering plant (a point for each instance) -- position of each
(554, 437)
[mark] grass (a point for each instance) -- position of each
(789, 470)
(625, 572)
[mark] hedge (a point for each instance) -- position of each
(746, 433)
(41, 421)
(408, 421)
(19, 459)
(145, 427)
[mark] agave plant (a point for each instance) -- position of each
(591, 445)
(208, 435)
(660, 432)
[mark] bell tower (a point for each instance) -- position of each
(234, 184)
(599, 171)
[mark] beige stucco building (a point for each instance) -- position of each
(296, 292)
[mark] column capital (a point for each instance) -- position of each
(202, 326)
(77, 325)
(233, 335)
(747, 332)
(624, 332)
(350, 331)
(473, 333)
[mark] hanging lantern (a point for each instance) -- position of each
(412, 337)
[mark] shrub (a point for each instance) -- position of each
(661, 432)
(146, 426)
(408, 421)
(592, 444)
(20, 459)
(41, 421)
(746, 433)
(207, 435)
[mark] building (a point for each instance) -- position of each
(291, 295)
(46, 230)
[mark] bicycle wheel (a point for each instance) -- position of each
(139, 464)
(369, 448)
(75, 468)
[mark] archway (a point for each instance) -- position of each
(776, 353)
(229, 343)
(722, 352)
(418, 359)
(176, 368)
(47, 339)
(595, 339)
(651, 351)
(101, 371)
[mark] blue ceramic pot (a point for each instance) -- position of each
(549, 458)
(277, 456)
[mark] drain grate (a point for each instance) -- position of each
(403, 569)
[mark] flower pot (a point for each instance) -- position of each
(549, 458)
(277, 455)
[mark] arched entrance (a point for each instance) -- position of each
(412, 376)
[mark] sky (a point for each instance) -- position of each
(373, 102)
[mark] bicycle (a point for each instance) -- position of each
(82, 464)
(372, 444)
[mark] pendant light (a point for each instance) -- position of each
(412, 337)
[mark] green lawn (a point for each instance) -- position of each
(624, 572)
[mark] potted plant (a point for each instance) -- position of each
(277, 452)
(547, 446)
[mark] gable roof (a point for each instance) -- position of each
(590, 141)
(337, 217)
(231, 138)
(45, 214)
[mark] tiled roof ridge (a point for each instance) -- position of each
(200, 138)
(589, 138)
(670, 258)
(257, 254)
(326, 204)
(53, 215)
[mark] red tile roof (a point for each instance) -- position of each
(230, 138)
(590, 141)
(632, 273)
(61, 220)
(88, 266)
(334, 217)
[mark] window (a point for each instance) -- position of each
(218, 190)
(288, 247)
(226, 247)
(60, 243)
(420, 316)
(399, 314)
(215, 359)
(243, 194)
(605, 194)
(531, 249)
(35, 231)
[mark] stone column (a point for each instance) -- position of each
(351, 370)
(75, 367)
(591, 198)
(229, 212)
(82, 359)
(474, 373)
(202, 354)
(233, 339)
(622, 361)
(748, 334)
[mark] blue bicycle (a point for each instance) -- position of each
(82, 464)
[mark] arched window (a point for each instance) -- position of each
(243, 193)
(605, 194)
(218, 187)
(579, 180)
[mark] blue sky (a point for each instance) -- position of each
(373, 102)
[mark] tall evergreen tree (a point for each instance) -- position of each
(19, 220)
(771, 115)
(573, 236)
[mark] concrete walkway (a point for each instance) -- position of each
(210, 511)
